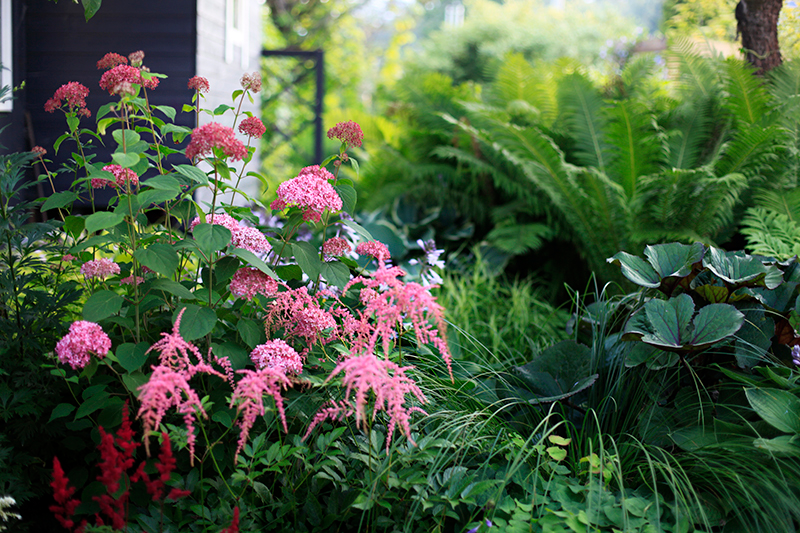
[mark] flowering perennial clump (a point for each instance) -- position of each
(311, 192)
(277, 354)
(73, 95)
(84, 339)
(248, 281)
(99, 268)
(347, 132)
(389, 384)
(300, 315)
(209, 136)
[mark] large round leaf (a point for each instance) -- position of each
(159, 257)
(211, 237)
(196, 321)
(102, 304)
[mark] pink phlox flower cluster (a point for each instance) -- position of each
(248, 281)
(174, 353)
(199, 84)
(311, 192)
(120, 78)
(212, 135)
(251, 82)
(252, 127)
(249, 396)
(73, 94)
(250, 238)
(390, 385)
(279, 355)
(111, 60)
(122, 176)
(300, 315)
(99, 268)
(130, 280)
(165, 389)
(136, 58)
(376, 249)
(347, 132)
(336, 247)
(84, 339)
(388, 301)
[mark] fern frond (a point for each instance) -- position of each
(770, 233)
(746, 96)
(518, 81)
(631, 132)
(696, 74)
(581, 108)
(689, 127)
(783, 202)
(752, 152)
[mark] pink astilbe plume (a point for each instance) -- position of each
(300, 315)
(387, 302)
(174, 353)
(165, 389)
(249, 396)
(389, 384)
(234, 527)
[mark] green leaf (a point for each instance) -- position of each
(252, 332)
(159, 258)
(714, 322)
(253, 260)
(211, 238)
(636, 269)
(172, 287)
(358, 229)
(336, 273)
(779, 408)
(125, 160)
(670, 320)
(133, 381)
(102, 304)
(785, 445)
(102, 220)
(168, 111)
(307, 257)
(90, 8)
(61, 410)
(74, 226)
(59, 199)
(129, 136)
(556, 453)
(132, 356)
(193, 173)
(559, 372)
(92, 403)
(196, 321)
(739, 269)
(163, 183)
(155, 196)
(348, 196)
(354, 163)
(221, 109)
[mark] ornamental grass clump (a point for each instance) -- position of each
(221, 329)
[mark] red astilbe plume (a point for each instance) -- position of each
(249, 396)
(388, 301)
(234, 527)
(390, 385)
(165, 389)
(65, 505)
(112, 467)
(165, 466)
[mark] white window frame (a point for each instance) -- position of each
(6, 53)
(237, 34)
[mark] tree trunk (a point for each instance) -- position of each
(758, 23)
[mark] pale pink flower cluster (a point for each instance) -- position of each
(212, 135)
(99, 268)
(252, 127)
(390, 385)
(83, 340)
(387, 305)
(376, 249)
(73, 94)
(336, 247)
(121, 176)
(111, 60)
(120, 78)
(199, 84)
(300, 315)
(249, 396)
(311, 192)
(347, 132)
(248, 281)
(136, 58)
(130, 280)
(251, 82)
(279, 355)
(245, 237)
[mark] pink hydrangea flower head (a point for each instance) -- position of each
(68, 257)
(252, 127)
(100, 183)
(209, 136)
(250, 239)
(249, 397)
(136, 58)
(376, 249)
(130, 280)
(99, 268)
(251, 82)
(347, 132)
(111, 60)
(73, 95)
(123, 175)
(83, 340)
(221, 219)
(311, 192)
(389, 384)
(336, 247)
(165, 389)
(39, 151)
(199, 84)
(248, 281)
(279, 355)
(120, 78)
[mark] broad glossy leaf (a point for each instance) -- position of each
(559, 372)
(348, 196)
(670, 321)
(336, 273)
(102, 304)
(172, 287)
(196, 321)
(211, 238)
(163, 183)
(253, 260)
(655, 359)
(193, 173)
(737, 268)
(636, 269)
(307, 257)
(132, 356)
(252, 332)
(125, 160)
(59, 199)
(159, 257)
(785, 445)
(674, 259)
(714, 322)
(779, 408)
(102, 220)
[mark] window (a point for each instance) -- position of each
(236, 32)
(6, 55)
